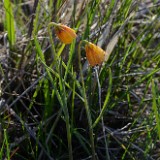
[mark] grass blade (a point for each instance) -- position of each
(155, 109)
(9, 22)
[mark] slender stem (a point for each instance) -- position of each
(86, 106)
(52, 42)
(69, 137)
(100, 105)
(63, 101)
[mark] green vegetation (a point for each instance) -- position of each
(52, 104)
(9, 22)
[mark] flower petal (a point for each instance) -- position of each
(65, 34)
(95, 55)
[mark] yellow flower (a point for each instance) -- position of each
(64, 33)
(95, 55)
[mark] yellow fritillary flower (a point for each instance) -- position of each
(95, 55)
(64, 33)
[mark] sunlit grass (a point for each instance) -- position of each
(9, 22)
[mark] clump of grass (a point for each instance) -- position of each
(50, 103)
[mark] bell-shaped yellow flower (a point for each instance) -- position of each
(95, 55)
(64, 33)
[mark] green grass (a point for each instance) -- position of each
(53, 106)
(9, 22)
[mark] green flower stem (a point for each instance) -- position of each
(86, 106)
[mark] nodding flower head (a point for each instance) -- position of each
(95, 55)
(64, 33)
